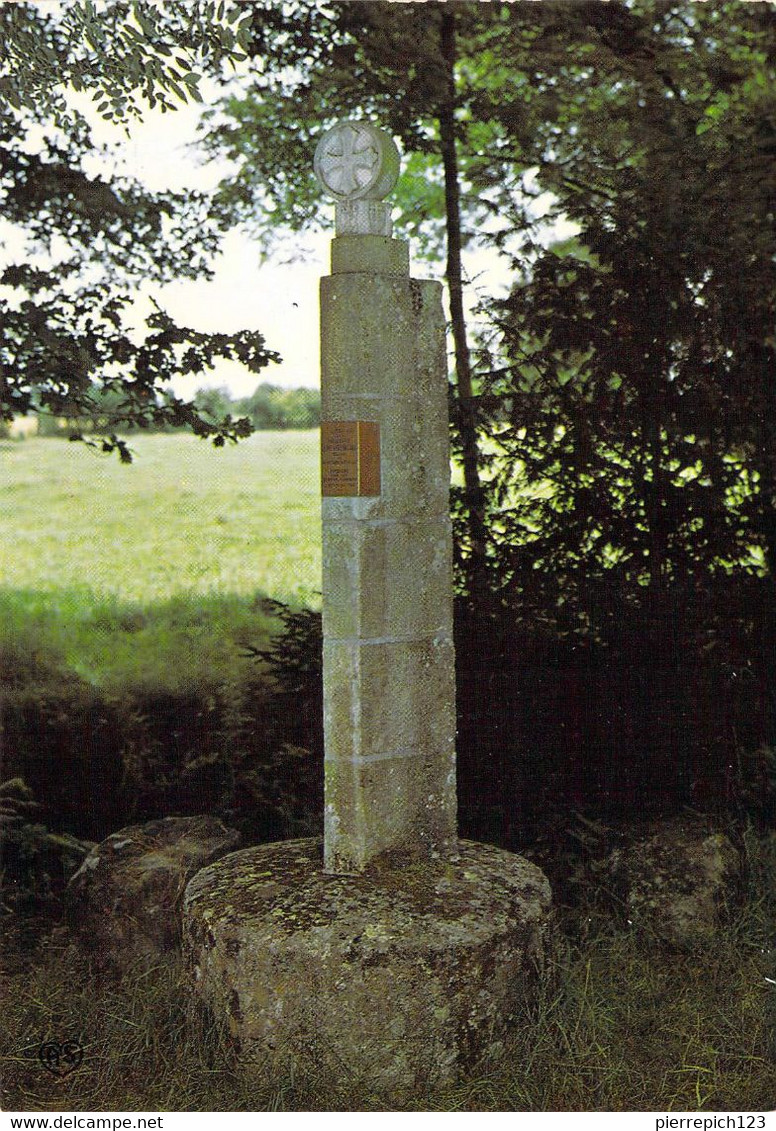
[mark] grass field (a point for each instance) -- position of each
(154, 571)
(183, 518)
(152, 578)
(617, 1025)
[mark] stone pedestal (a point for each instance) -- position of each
(397, 981)
(392, 954)
(388, 662)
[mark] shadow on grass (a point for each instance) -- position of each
(188, 641)
(114, 713)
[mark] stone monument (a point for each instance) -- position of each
(388, 665)
(393, 953)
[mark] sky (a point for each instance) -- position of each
(276, 295)
(249, 291)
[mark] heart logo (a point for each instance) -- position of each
(60, 1058)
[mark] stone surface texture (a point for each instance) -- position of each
(356, 161)
(400, 979)
(678, 880)
(124, 902)
(388, 660)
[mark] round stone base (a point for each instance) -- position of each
(400, 980)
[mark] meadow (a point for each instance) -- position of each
(130, 597)
(154, 571)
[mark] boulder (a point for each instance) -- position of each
(678, 880)
(124, 902)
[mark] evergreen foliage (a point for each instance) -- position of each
(615, 425)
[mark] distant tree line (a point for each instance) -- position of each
(269, 407)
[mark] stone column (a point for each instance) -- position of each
(406, 962)
(388, 662)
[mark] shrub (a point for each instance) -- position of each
(36, 863)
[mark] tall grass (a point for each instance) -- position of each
(617, 1024)
(186, 642)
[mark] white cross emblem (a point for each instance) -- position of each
(357, 161)
(349, 161)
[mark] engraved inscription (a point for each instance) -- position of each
(350, 458)
(339, 457)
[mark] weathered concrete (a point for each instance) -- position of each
(389, 668)
(402, 979)
(124, 902)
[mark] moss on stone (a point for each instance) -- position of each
(406, 969)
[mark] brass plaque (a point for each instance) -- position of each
(368, 458)
(350, 458)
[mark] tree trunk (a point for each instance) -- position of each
(467, 413)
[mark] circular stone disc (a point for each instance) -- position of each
(356, 161)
